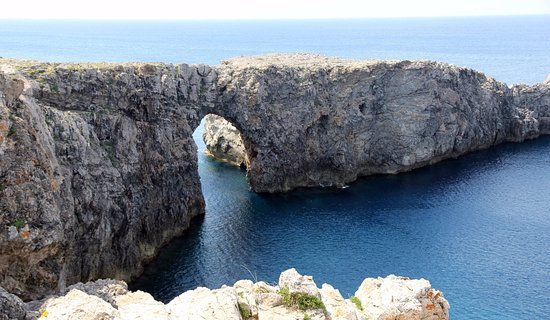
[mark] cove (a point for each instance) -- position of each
(476, 227)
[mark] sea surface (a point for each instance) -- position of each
(477, 227)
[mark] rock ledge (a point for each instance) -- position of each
(376, 299)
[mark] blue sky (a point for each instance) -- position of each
(257, 9)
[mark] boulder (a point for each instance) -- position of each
(11, 307)
(396, 297)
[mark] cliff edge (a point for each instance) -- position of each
(294, 297)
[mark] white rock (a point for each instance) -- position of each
(337, 307)
(280, 313)
(77, 305)
(12, 232)
(401, 298)
(296, 283)
(203, 303)
(140, 305)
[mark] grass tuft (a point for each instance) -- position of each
(301, 301)
(244, 311)
(18, 223)
(356, 302)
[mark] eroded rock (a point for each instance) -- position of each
(223, 141)
(401, 298)
(11, 307)
(383, 298)
(98, 168)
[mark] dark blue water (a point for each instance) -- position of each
(478, 227)
(511, 49)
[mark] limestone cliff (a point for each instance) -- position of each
(98, 168)
(295, 297)
(309, 120)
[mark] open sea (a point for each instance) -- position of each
(477, 227)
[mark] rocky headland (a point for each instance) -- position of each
(295, 297)
(98, 168)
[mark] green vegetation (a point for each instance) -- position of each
(301, 301)
(18, 223)
(54, 87)
(244, 311)
(109, 147)
(356, 302)
(307, 317)
(12, 131)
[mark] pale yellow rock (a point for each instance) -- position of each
(246, 297)
(141, 305)
(337, 307)
(395, 297)
(203, 303)
(297, 283)
(280, 313)
(390, 298)
(77, 305)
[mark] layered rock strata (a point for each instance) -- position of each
(295, 297)
(98, 168)
(310, 121)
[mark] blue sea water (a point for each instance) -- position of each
(477, 227)
(511, 49)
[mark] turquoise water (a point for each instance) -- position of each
(477, 227)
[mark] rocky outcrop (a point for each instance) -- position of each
(98, 168)
(223, 141)
(11, 307)
(315, 121)
(295, 297)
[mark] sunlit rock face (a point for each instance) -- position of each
(295, 297)
(223, 141)
(98, 167)
(309, 120)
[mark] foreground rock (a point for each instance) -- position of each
(295, 297)
(98, 168)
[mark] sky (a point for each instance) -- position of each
(257, 9)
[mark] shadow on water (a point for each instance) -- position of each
(477, 227)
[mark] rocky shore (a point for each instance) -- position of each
(295, 297)
(98, 167)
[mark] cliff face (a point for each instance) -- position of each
(98, 168)
(310, 121)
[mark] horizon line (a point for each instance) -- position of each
(275, 19)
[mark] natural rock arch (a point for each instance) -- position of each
(98, 168)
